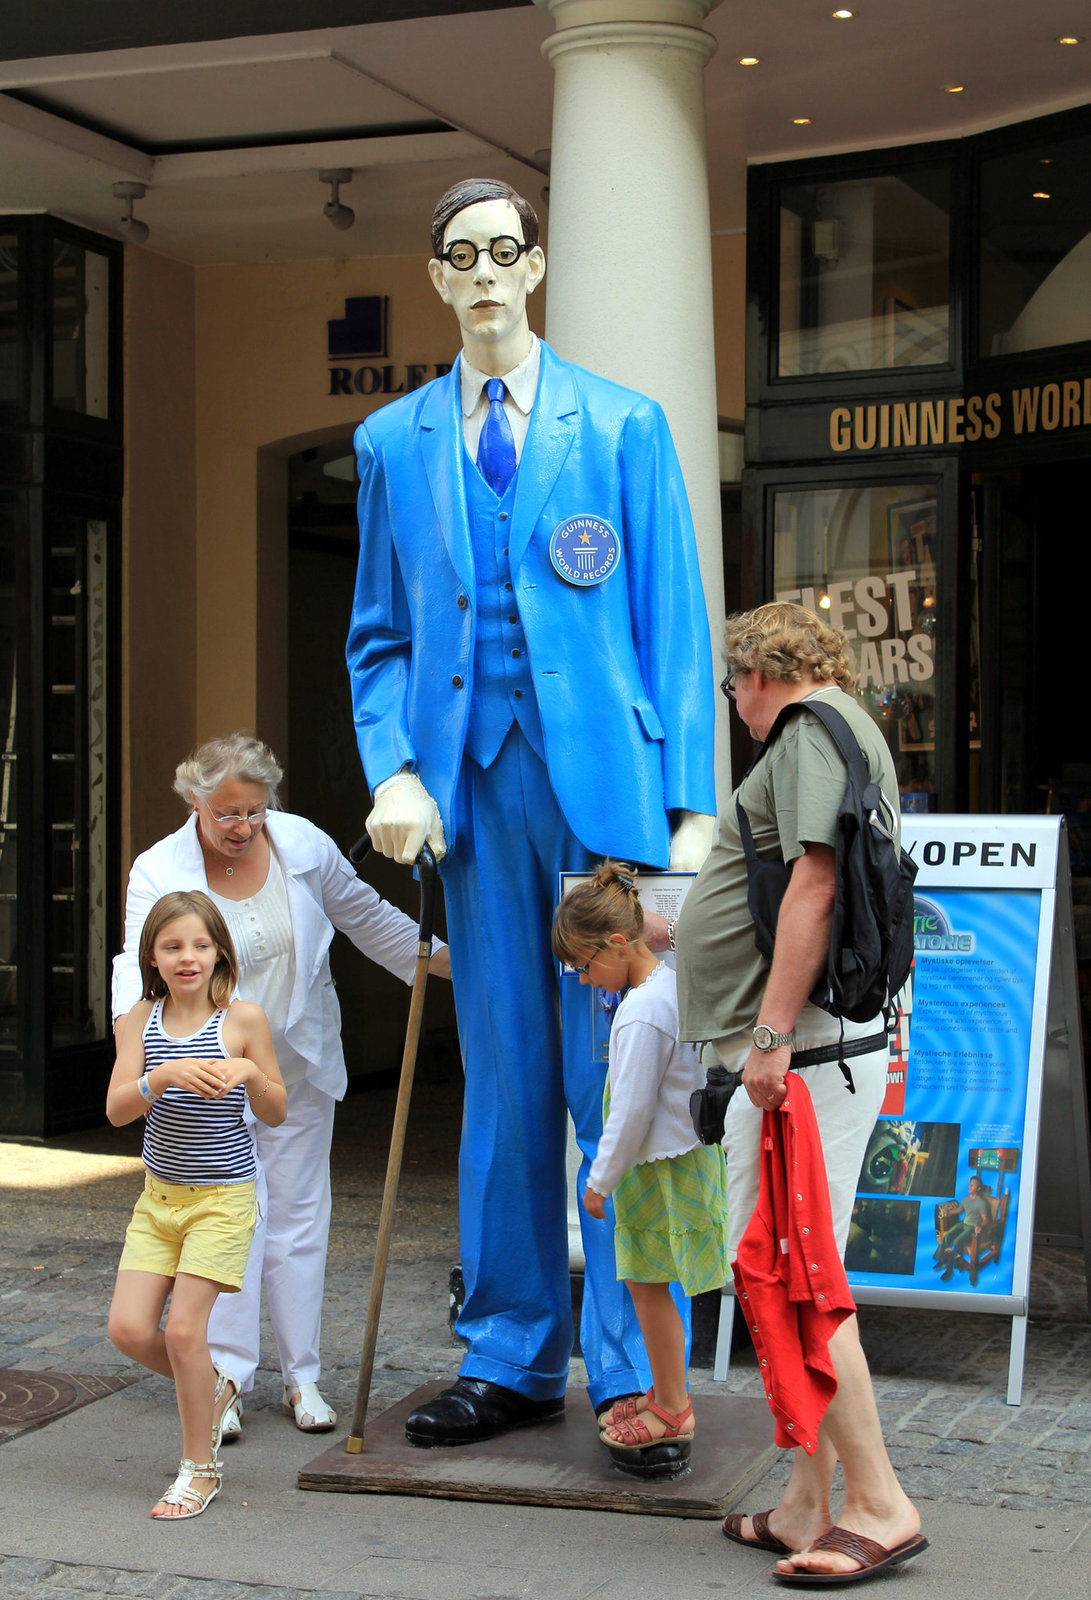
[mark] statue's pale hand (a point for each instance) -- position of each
(691, 841)
(403, 817)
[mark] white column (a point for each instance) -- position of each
(629, 274)
(629, 254)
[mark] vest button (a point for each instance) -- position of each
(504, 518)
(462, 602)
(513, 619)
(516, 654)
(518, 694)
(507, 586)
(456, 681)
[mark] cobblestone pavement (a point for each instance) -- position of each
(940, 1377)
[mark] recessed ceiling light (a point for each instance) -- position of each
(954, 88)
(1070, 38)
(843, 15)
(748, 61)
(802, 122)
(1040, 194)
(1045, 161)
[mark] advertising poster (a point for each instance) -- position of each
(945, 1195)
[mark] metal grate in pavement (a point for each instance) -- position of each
(31, 1399)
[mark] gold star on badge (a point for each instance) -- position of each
(585, 538)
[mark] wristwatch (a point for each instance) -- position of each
(765, 1039)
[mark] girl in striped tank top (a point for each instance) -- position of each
(188, 1060)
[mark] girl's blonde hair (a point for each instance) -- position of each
(183, 903)
(590, 912)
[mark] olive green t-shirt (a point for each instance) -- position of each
(791, 798)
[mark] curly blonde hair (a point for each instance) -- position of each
(590, 912)
(786, 641)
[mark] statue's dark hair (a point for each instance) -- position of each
(471, 192)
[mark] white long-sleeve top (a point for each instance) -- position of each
(652, 1075)
(324, 893)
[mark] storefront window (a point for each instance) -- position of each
(865, 558)
(1036, 247)
(77, 736)
(864, 274)
(81, 329)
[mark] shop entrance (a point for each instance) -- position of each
(1034, 573)
(325, 780)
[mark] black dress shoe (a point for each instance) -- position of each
(473, 1409)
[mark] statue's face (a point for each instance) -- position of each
(488, 300)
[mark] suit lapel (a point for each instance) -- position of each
(548, 442)
(442, 450)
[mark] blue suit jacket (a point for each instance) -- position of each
(622, 670)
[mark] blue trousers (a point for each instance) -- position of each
(500, 887)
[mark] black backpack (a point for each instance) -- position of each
(871, 942)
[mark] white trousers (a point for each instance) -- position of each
(844, 1120)
(288, 1252)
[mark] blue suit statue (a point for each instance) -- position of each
(532, 689)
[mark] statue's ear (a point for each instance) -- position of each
(435, 272)
(535, 268)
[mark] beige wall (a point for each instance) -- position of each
(159, 578)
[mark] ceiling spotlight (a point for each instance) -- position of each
(748, 61)
(340, 216)
(1070, 38)
(843, 14)
(801, 122)
(135, 232)
(1040, 194)
(954, 88)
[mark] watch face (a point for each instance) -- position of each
(763, 1037)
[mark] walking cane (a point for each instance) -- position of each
(426, 866)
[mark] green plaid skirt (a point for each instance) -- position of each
(671, 1221)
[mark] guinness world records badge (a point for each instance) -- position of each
(585, 550)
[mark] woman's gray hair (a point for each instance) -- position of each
(237, 756)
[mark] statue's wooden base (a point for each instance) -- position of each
(559, 1463)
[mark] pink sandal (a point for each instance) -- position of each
(639, 1452)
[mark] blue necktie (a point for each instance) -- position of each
(496, 447)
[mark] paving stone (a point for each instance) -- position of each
(21, 1570)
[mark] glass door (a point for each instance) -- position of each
(878, 559)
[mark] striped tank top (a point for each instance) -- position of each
(188, 1139)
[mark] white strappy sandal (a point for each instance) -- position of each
(182, 1493)
(226, 1423)
(306, 1405)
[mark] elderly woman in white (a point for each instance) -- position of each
(283, 887)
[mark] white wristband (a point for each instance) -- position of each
(146, 1091)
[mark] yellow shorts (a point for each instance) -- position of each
(202, 1229)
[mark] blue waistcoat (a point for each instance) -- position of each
(503, 691)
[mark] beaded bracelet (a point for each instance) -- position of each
(262, 1090)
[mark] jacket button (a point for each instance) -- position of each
(504, 518)
(806, 1231)
(518, 694)
(516, 654)
(456, 681)
(507, 586)
(462, 602)
(814, 1266)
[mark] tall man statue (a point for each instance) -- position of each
(532, 689)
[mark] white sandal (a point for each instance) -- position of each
(182, 1493)
(226, 1424)
(307, 1406)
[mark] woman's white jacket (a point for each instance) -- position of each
(324, 893)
